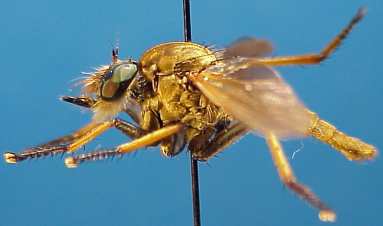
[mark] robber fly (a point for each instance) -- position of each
(185, 94)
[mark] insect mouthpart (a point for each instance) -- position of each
(116, 80)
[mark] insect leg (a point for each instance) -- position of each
(70, 143)
(352, 148)
(287, 176)
(127, 128)
(315, 58)
(146, 140)
(220, 141)
(63, 144)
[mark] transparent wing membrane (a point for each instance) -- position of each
(248, 47)
(255, 94)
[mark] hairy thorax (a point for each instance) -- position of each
(168, 67)
(175, 102)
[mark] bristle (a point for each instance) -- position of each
(73, 162)
(33, 153)
(106, 110)
(92, 82)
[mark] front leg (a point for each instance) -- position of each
(72, 142)
(63, 144)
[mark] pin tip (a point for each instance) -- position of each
(70, 162)
(10, 157)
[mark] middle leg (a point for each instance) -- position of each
(144, 141)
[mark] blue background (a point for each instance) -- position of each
(46, 44)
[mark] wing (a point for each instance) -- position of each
(256, 95)
(248, 47)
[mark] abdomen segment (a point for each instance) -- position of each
(352, 148)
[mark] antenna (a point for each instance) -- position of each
(193, 163)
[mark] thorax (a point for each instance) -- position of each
(168, 66)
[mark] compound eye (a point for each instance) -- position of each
(117, 80)
(124, 72)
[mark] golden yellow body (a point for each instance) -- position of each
(175, 99)
(352, 148)
(182, 94)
